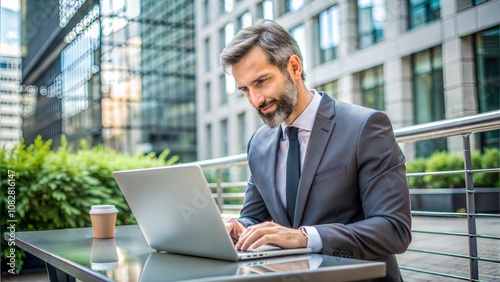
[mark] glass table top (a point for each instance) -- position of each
(128, 257)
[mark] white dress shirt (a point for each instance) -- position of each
(304, 123)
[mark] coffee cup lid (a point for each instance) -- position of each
(99, 209)
(100, 266)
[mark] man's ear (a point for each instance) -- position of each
(295, 67)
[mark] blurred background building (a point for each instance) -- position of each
(121, 73)
(144, 75)
(417, 60)
(10, 74)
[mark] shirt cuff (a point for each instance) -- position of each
(313, 240)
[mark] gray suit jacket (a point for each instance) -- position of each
(353, 186)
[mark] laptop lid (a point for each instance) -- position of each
(176, 213)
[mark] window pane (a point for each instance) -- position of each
(294, 5)
(423, 11)
(298, 33)
(228, 6)
(267, 10)
(329, 33)
(488, 82)
(207, 54)
(488, 69)
(224, 137)
(246, 20)
(372, 88)
(242, 129)
(428, 93)
(206, 12)
(228, 33)
(371, 21)
(330, 88)
(230, 84)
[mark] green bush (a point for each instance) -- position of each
(445, 161)
(55, 189)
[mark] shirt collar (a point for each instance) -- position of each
(306, 119)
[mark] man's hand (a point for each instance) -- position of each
(271, 233)
(234, 228)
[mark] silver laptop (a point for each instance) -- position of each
(176, 212)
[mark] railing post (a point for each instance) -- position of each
(471, 209)
(218, 190)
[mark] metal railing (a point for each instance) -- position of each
(226, 191)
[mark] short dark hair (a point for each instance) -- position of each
(275, 40)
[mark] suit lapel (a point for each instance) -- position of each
(320, 135)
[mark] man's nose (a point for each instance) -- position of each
(256, 98)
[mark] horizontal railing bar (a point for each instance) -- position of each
(233, 195)
(485, 236)
(413, 174)
(447, 172)
(483, 215)
(438, 253)
(224, 162)
(231, 207)
(440, 232)
(430, 213)
(492, 260)
(454, 214)
(453, 255)
(444, 128)
(437, 273)
(482, 236)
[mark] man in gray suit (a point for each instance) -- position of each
(352, 198)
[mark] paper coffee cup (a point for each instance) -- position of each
(103, 255)
(103, 218)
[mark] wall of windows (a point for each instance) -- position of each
(428, 95)
(422, 11)
(372, 88)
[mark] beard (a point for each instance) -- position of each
(285, 104)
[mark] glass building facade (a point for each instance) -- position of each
(118, 73)
(10, 75)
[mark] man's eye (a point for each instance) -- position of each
(260, 81)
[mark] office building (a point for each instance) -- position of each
(419, 61)
(10, 75)
(118, 73)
